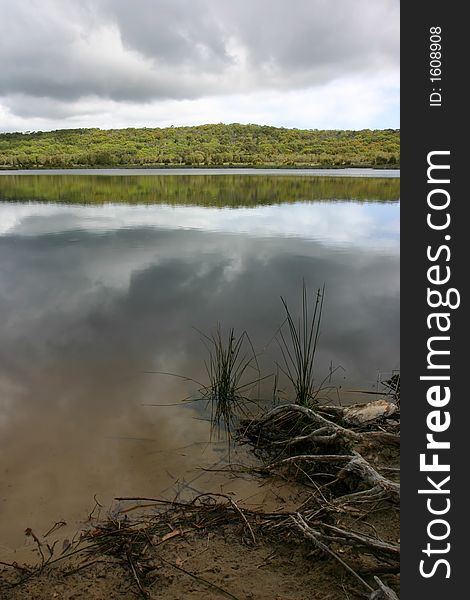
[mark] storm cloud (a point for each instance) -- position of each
(65, 61)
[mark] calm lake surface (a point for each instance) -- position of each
(104, 278)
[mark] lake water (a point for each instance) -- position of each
(106, 278)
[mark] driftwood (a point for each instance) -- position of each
(312, 458)
(379, 485)
(319, 539)
(311, 444)
(268, 433)
(315, 537)
(383, 593)
(375, 546)
(312, 415)
(326, 427)
(362, 414)
(380, 488)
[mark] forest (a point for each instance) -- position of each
(219, 145)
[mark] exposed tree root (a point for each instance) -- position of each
(310, 445)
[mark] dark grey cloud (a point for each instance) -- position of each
(174, 33)
(55, 53)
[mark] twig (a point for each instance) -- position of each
(56, 526)
(312, 415)
(366, 472)
(136, 577)
(383, 593)
(15, 565)
(375, 544)
(328, 458)
(313, 535)
(235, 506)
(30, 532)
(88, 564)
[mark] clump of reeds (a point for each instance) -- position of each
(299, 345)
(230, 367)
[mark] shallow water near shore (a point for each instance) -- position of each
(105, 281)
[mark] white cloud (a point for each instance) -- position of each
(332, 224)
(111, 63)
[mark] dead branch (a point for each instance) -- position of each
(374, 545)
(327, 430)
(315, 537)
(383, 593)
(325, 458)
(310, 414)
(360, 467)
(322, 435)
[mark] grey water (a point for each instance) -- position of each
(105, 282)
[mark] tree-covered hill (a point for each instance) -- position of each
(204, 145)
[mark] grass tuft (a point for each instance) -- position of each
(232, 370)
(298, 341)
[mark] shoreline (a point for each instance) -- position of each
(319, 541)
(195, 171)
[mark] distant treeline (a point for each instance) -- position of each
(205, 145)
(196, 190)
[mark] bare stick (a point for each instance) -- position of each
(235, 506)
(136, 577)
(311, 414)
(316, 436)
(383, 593)
(313, 535)
(328, 458)
(365, 540)
(361, 467)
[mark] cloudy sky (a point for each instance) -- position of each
(120, 63)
